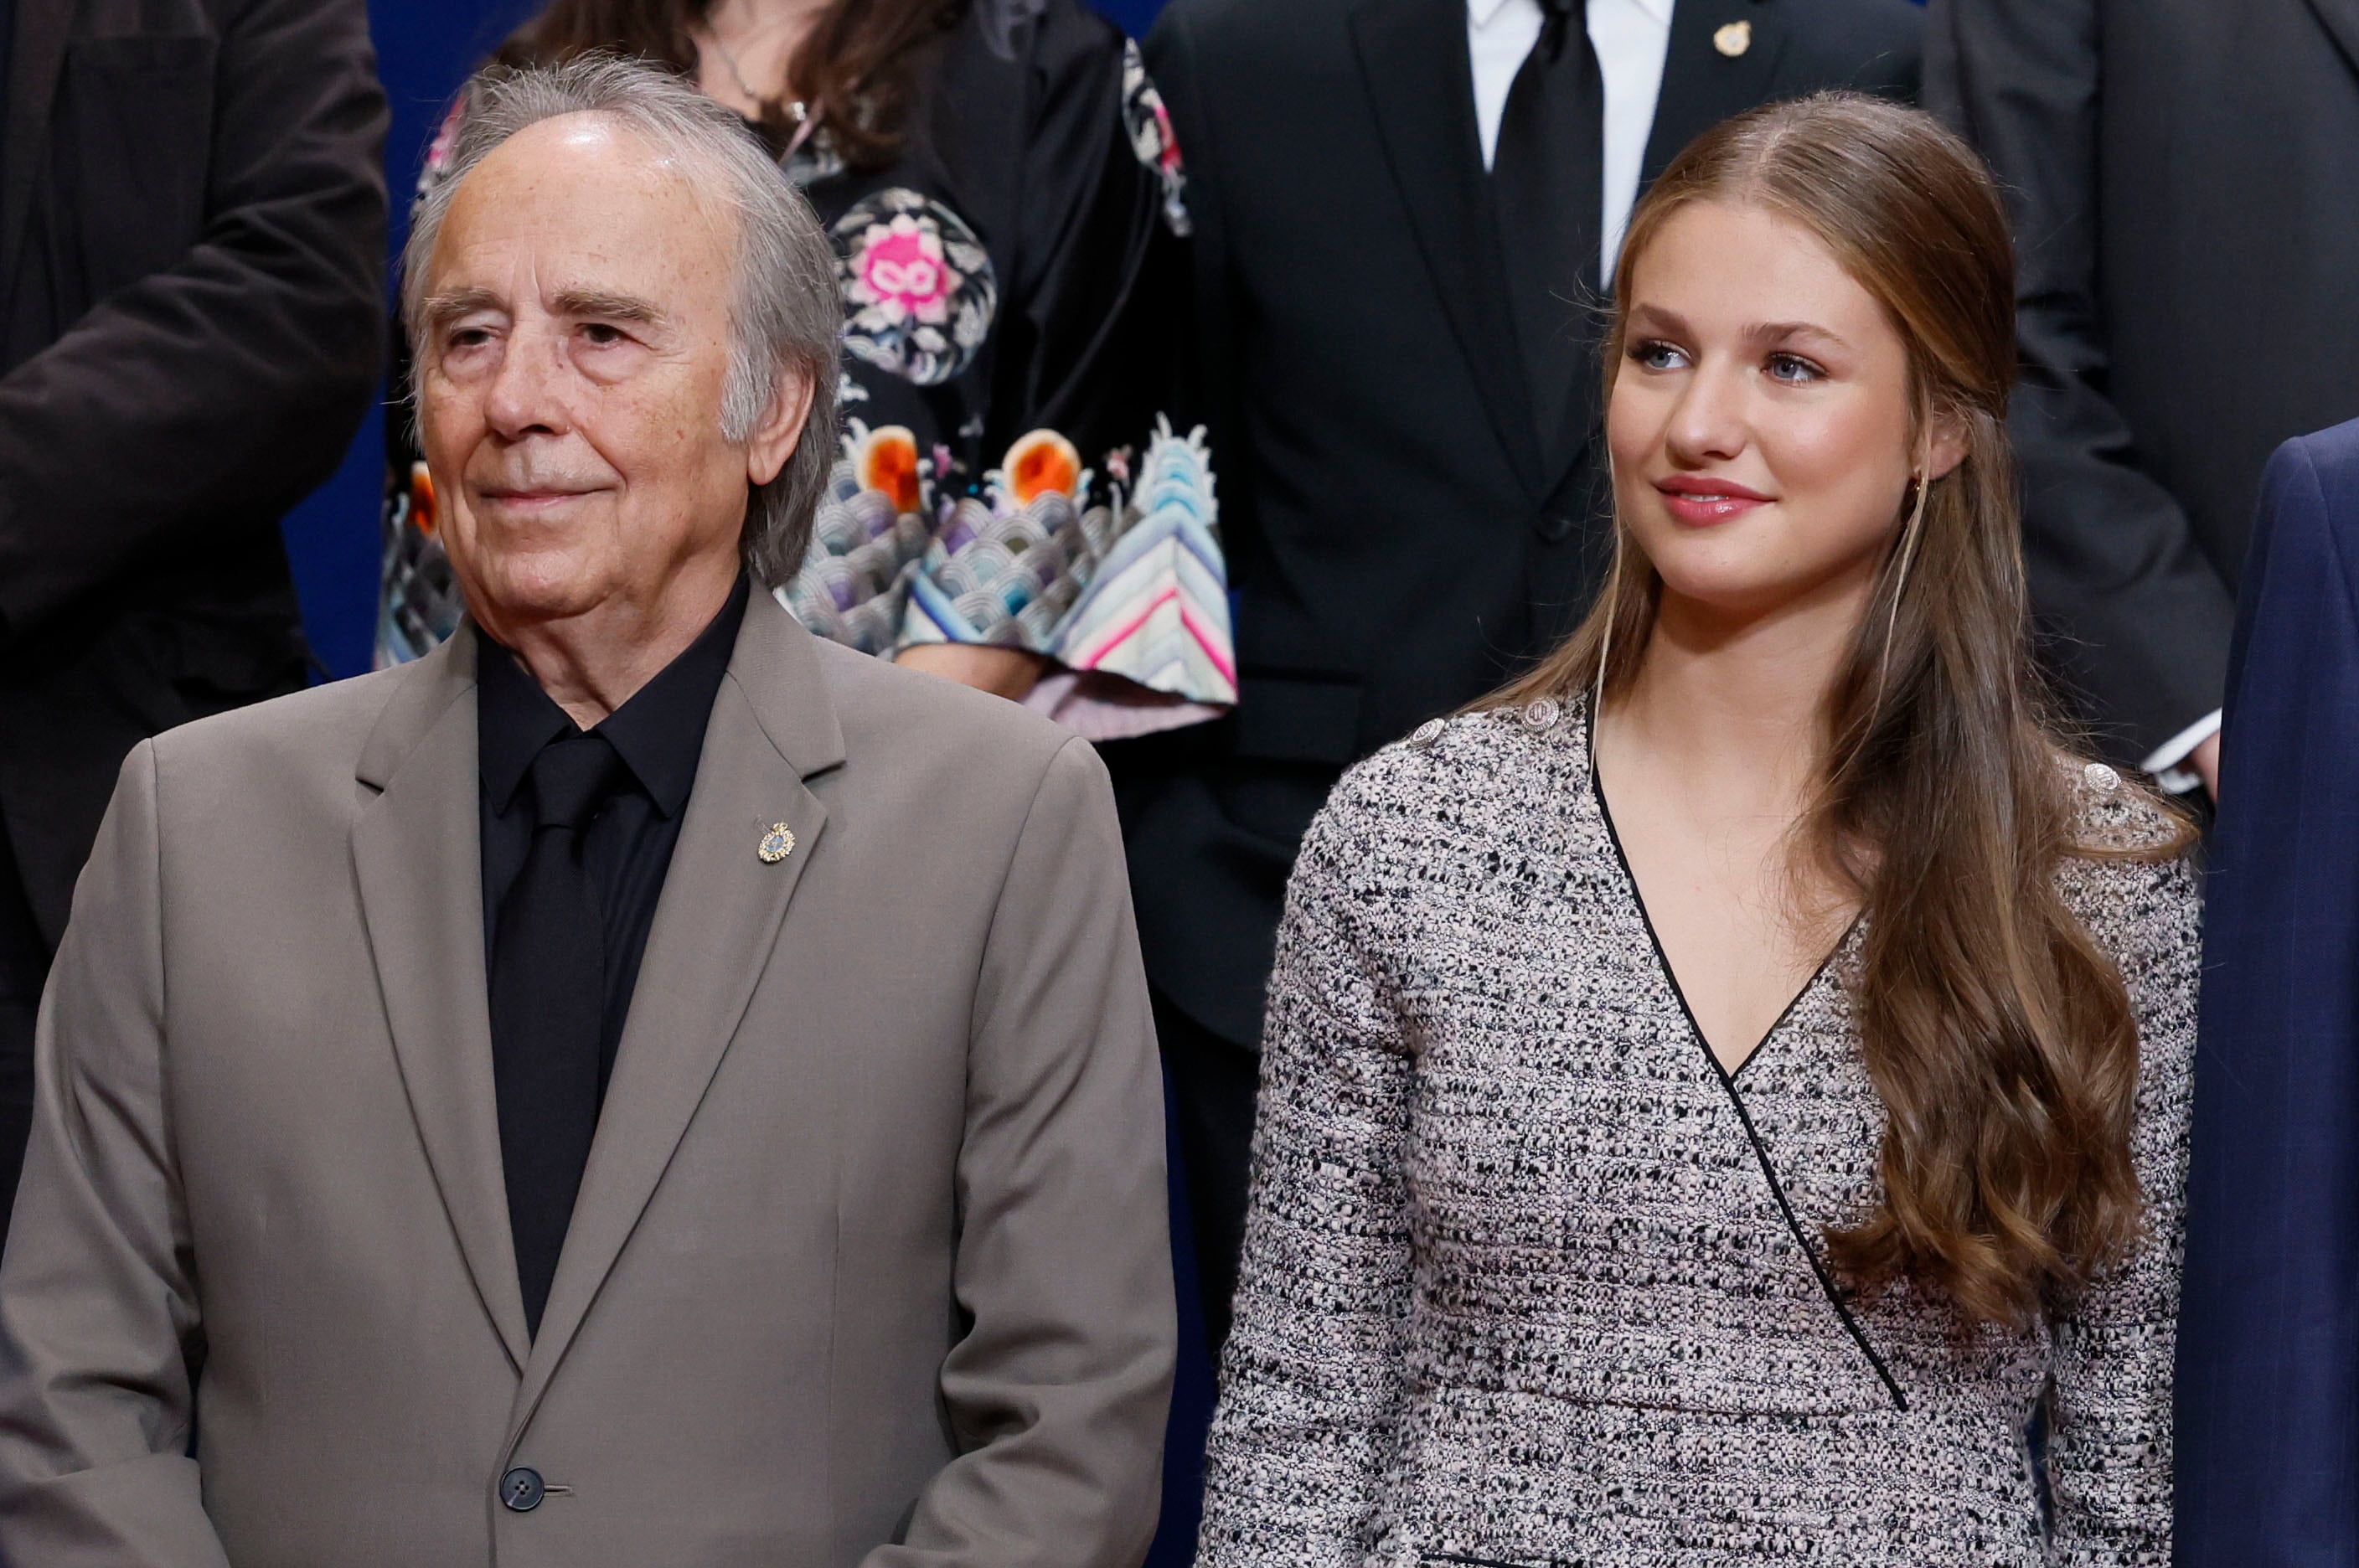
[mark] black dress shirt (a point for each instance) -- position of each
(659, 734)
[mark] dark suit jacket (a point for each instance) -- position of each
(2181, 176)
(1399, 539)
(2268, 1349)
(192, 279)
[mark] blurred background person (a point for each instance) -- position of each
(1725, 1121)
(2181, 176)
(193, 229)
(2268, 1365)
(1404, 210)
(999, 179)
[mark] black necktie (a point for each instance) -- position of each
(548, 997)
(1548, 191)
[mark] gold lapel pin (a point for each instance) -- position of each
(776, 844)
(1733, 40)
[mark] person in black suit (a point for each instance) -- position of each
(192, 217)
(1404, 212)
(2179, 316)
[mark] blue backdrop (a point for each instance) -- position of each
(425, 49)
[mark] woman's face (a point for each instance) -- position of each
(1759, 418)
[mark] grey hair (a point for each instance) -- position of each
(788, 312)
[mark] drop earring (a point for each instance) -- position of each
(1908, 537)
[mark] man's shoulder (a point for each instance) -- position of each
(904, 718)
(1871, 45)
(2332, 457)
(1217, 28)
(335, 716)
(2312, 483)
(260, 752)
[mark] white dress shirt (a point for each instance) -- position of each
(1631, 37)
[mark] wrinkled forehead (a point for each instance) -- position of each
(581, 202)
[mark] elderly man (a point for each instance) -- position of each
(639, 1085)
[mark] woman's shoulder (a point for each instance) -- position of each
(2129, 872)
(1460, 779)
(2114, 814)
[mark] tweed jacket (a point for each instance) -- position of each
(1529, 1279)
(869, 1264)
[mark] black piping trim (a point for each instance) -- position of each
(1477, 1562)
(1826, 1283)
(1728, 1085)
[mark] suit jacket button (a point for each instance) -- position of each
(521, 1489)
(1553, 526)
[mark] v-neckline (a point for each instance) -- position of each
(1728, 1076)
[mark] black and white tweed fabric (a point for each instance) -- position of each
(1528, 1279)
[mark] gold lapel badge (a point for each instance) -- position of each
(1733, 40)
(776, 844)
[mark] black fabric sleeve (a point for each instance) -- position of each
(2138, 619)
(229, 383)
(1204, 357)
(1093, 332)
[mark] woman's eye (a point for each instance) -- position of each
(1657, 357)
(1791, 368)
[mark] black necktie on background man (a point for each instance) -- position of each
(1548, 189)
(547, 1000)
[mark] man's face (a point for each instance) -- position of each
(576, 343)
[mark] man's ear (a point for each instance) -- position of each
(774, 439)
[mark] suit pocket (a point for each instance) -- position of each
(135, 150)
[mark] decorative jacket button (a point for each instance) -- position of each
(1542, 713)
(2101, 777)
(521, 1489)
(1426, 732)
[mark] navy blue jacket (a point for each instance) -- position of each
(2269, 1358)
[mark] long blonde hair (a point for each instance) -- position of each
(1999, 1036)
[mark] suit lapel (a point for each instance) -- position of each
(417, 851)
(1703, 83)
(715, 927)
(1414, 64)
(35, 57)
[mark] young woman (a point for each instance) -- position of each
(1717, 1093)
(1012, 508)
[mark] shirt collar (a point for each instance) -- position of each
(1482, 12)
(658, 732)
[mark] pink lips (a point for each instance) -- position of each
(1701, 501)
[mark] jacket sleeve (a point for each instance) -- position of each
(2138, 617)
(1132, 597)
(2268, 1365)
(1311, 1378)
(2109, 1457)
(1058, 1391)
(228, 385)
(99, 1326)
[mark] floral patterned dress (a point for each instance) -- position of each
(1014, 471)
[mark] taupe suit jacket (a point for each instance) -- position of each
(869, 1265)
